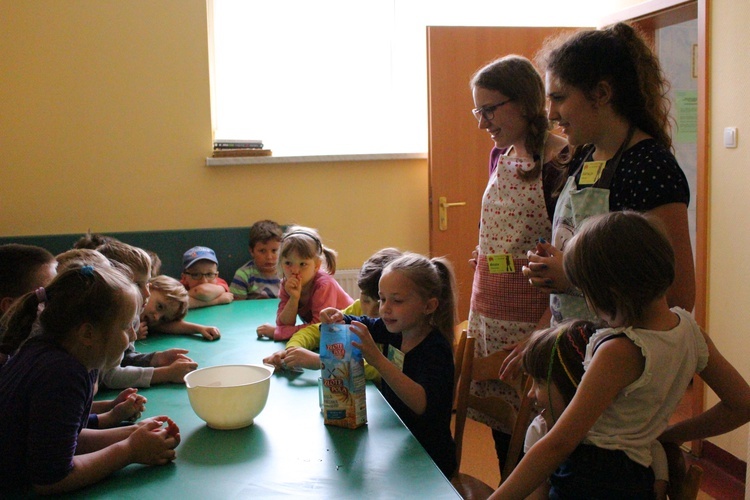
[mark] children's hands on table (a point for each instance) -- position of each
(275, 360)
(298, 358)
(367, 345)
(545, 268)
(168, 356)
(209, 332)
(265, 331)
(179, 368)
(225, 298)
(123, 396)
(130, 409)
(153, 441)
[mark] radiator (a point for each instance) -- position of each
(347, 278)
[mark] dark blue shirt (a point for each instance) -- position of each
(45, 398)
(430, 364)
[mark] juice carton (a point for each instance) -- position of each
(342, 377)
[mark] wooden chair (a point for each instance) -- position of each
(459, 346)
(487, 368)
(684, 482)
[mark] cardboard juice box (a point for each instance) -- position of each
(342, 377)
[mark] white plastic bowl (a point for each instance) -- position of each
(229, 396)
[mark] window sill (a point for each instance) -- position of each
(265, 160)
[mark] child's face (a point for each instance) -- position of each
(303, 269)
(402, 309)
(548, 400)
(160, 308)
(370, 306)
(203, 271)
(141, 281)
(116, 337)
(266, 256)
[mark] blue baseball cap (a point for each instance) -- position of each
(198, 253)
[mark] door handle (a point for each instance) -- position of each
(443, 206)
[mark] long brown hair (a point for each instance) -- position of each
(517, 79)
(620, 56)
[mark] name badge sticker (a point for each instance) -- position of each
(591, 172)
(396, 356)
(501, 263)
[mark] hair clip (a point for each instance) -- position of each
(87, 270)
(41, 294)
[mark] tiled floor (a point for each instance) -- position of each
(480, 461)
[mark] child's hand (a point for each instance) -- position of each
(225, 298)
(176, 372)
(130, 409)
(152, 443)
(265, 331)
(276, 360)
(293, 286)
(209, 332)
(169, 356)
(511, 366)
(142, 332)
(331, 315)
(368, 346)
(299, 357)
(123, 396)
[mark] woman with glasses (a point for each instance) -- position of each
(526, 173)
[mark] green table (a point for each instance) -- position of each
(288, 451)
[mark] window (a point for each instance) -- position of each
(340, 76)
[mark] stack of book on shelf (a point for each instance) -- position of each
(233, 148)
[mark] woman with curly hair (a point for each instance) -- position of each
(607, 92)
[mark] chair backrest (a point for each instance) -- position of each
(691, 484)
(459, 344)
(684, 482)
(488, 368)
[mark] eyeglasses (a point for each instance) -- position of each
(488, 112)
(197, 276)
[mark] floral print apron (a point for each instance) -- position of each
(505, 309)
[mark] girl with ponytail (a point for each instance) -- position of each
(415, 328)
(90, 315)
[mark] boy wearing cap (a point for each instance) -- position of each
(200, 276)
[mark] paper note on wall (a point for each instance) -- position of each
(686, 107)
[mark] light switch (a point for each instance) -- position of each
(730, 137)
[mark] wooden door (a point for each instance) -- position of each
(458, 149)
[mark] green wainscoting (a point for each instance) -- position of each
(230, 245)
